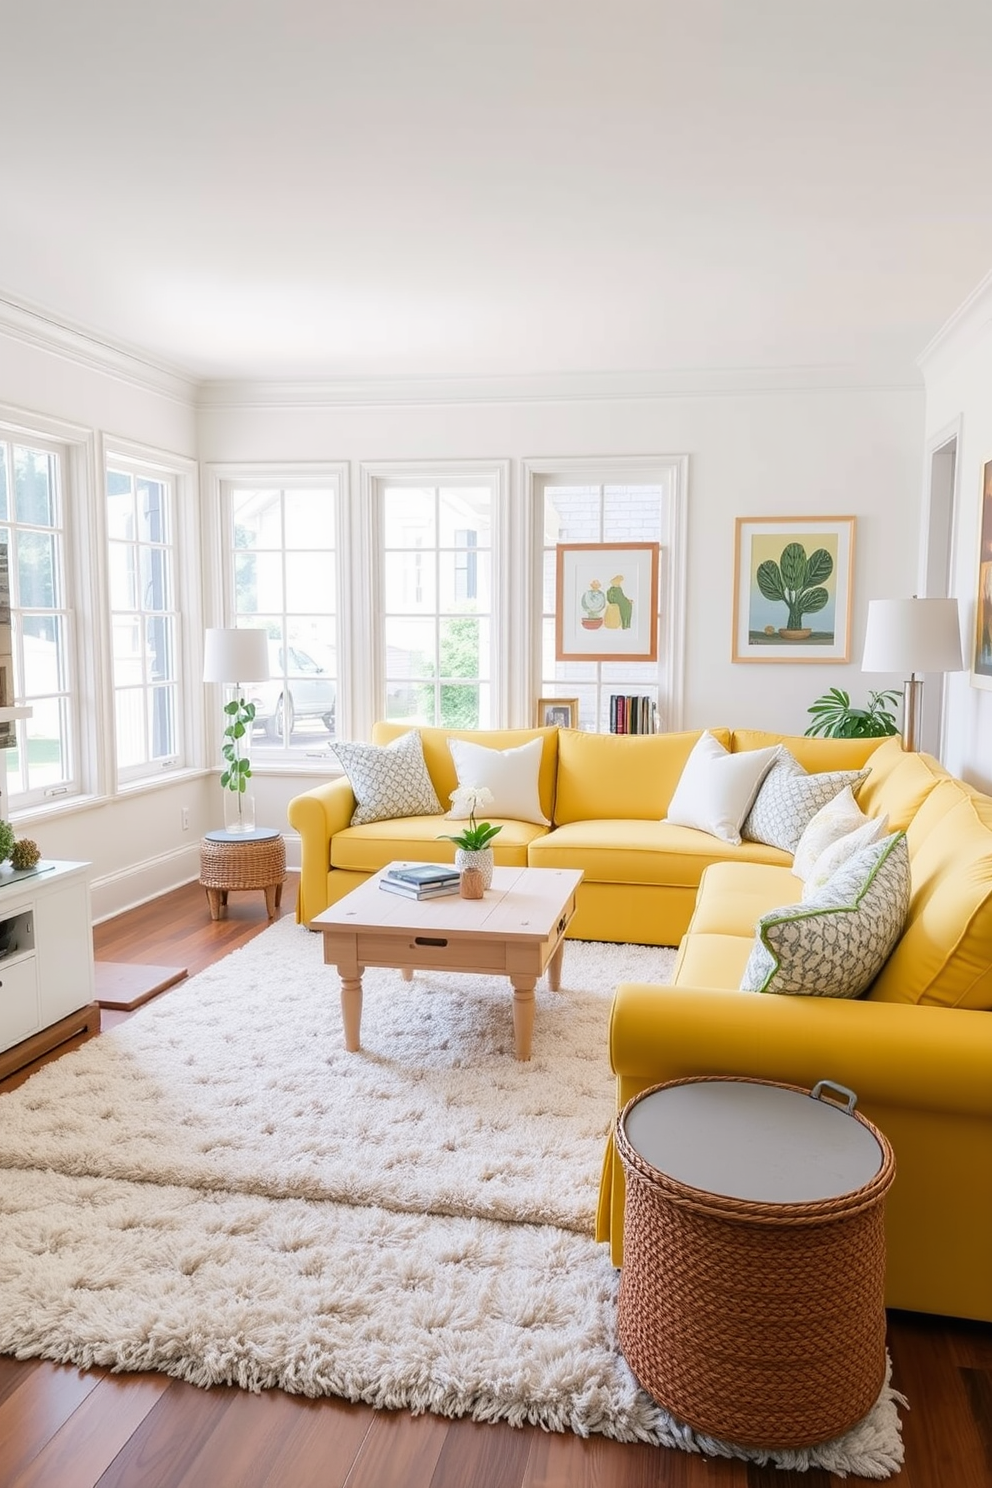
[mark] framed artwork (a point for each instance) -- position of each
(792, 588)
(981, 662)
(607, 602)
(557, 713)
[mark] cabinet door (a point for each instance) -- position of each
(64, 949)
(18, 1001)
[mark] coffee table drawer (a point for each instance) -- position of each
(431, 952)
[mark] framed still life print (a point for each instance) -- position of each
(981, 663)
(792, 588)
(607, 602)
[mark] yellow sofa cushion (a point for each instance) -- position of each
(898, 783)
(641, 852)
(815, 755)
(622, 777)
(441, 766)
(943, 956)
(733, 896)
(368, 848)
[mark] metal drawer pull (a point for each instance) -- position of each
(428, 940)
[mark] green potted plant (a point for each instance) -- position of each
(236, 774)
(472, 844)
(835, 718)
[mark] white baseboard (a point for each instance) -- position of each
(113, 893)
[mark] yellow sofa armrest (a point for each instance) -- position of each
(888, 1053)
(316, 816)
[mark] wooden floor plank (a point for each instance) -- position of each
(82, 1449)
(119, 1436)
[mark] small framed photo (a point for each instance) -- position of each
(981, 662)
(557, 713)
(607, 602)
(792, 588)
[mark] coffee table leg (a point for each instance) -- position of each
(554, 968)
(351, 1012)
(406, 972)
(523, 1015)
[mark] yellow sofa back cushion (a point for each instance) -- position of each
(621, 777)
(441, 766)
(944, 956)
(815, 755)
(899, 784)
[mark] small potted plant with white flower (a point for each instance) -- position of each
(472, 848)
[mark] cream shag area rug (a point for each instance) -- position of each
(216, 1190)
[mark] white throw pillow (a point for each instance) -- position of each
(716, 788)
(836, 819)
(388, 780)
(873, 829)
(510, 774)
(836, 943)
(790, 797)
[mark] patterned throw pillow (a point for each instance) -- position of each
(789, 798)
(388, 780)
(836, 943)
(836, 819)
(872, 829)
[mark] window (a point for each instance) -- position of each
(32, 528)
(144, 618)
(581, 502)
(283, 549)
(437, 585)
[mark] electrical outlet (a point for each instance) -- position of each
(185, 812)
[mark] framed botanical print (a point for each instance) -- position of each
(792, 588)
(607, 602)
(981, 661)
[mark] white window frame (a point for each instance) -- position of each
(371, 706)
(75, 446)
(671, 473)
(179, 474)
(219, 482)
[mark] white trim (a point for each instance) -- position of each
(961, 328)
(701, 382)
(88, 348)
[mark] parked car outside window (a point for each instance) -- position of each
(298, 688)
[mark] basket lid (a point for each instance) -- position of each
(749, 1140)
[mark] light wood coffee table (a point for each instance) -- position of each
(516, 930)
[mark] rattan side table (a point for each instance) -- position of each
(752, 1291)
(242, 860)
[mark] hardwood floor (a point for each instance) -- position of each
(62, 1427)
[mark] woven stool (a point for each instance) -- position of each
(242, 860)
(752, 1292)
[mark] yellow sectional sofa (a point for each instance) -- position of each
(917, 1047)
(605, 796)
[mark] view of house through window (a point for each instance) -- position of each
(284, 542)
(32, 528)
(595, 513)
(144, 619)
(437, 603)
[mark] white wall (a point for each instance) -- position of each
(801, 452)
(957, 368)
(135, 841)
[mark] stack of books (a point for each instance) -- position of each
(632, 715)
(421, 880)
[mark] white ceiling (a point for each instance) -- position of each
(369, 188)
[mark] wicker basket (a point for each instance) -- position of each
(243, 865)
(762, 1324)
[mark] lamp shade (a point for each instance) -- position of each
(913, 635)
(236, 656)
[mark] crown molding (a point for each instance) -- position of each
(961, 329)
(554, 387)
(36, 327)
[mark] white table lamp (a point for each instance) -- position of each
(232, 657)
(912, 635)
(236, 656)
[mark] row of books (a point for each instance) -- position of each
(632, 715)
(421, 880)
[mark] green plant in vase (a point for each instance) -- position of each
(237, 772)
(835, 718)
(472, 846)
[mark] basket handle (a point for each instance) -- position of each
(849, 1101)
